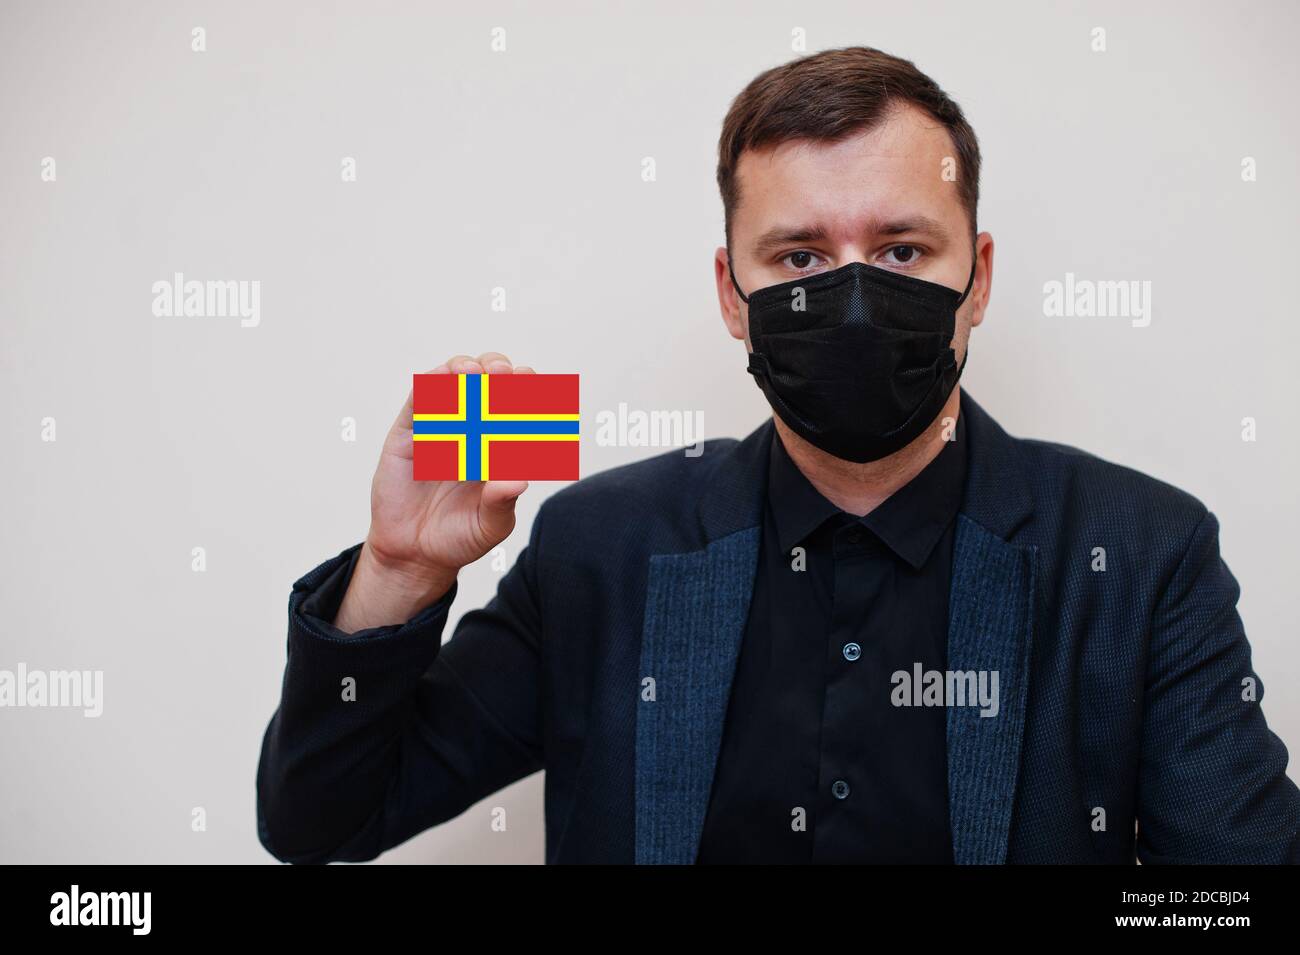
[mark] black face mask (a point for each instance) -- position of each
(865, 366)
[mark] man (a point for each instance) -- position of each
(878, 629)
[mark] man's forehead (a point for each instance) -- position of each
(898, 161)
(902, 134)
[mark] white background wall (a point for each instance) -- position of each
(522, 169)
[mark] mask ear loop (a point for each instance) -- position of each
(743, 297)
(757, 362)
(970, 282)
(758, 366)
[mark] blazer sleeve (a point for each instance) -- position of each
(386, 732)
(1212, 786)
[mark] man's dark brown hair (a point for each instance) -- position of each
(833, 94)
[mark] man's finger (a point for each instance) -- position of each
(464, 365)
(494, 362)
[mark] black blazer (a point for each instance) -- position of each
(606, 656)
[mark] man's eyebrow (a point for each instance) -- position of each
(921, 225)
(774, 239)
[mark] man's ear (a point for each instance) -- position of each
(983, 286)
(734, 314)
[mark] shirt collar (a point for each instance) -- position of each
(910, 521)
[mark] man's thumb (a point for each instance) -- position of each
(498, 503)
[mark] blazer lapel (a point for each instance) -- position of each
(695, 617)
(990, 631)
(697, 604)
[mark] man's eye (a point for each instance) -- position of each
(799, 260)
(904, 254)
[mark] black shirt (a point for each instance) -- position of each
(811, 733)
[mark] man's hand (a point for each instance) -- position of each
(423, 532)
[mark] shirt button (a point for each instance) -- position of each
(852, 651)
(855, 537)
(840, 789)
